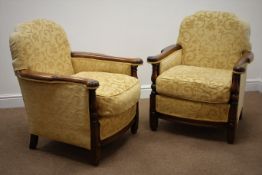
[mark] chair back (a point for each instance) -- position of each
(41, 45)
(213, 39)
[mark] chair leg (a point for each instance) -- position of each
(134, 126)
(153, 121)
(95, 156)
(241, 115)
(33, 141)
(231, 132)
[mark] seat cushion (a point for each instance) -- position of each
(196, 84)
(214, 112)
(116, 92)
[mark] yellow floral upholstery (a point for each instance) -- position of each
(116, 92)
(192, 110)
(195, 83)
(110, 125)
(57, 110)
(170, 61)
(89, 64)
(213, 39)
(241, 94)
(42, 46)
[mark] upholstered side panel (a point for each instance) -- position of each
(109, 125)
(41, 46)
(196, 84)
(170, 61)
(58, 111)
(241, 93)
(89, 64)
(116, 92)
(192, 110)
(213, 39)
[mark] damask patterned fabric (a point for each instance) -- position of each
(196, 84)
(116, 92)
(57, 110)
(109, 125)
(41, 46)
(192, 110)
(213, 39)
(170, 61)
(89, 65)
(241, 94)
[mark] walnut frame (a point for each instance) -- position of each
(239, 68)
(92, 85)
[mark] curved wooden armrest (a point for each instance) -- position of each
(164, 52)
(247, 57)
(93, 84)
(98, 56)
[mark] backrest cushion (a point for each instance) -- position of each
(213, 39)
(41, 45)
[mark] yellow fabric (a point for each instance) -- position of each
(116, 92)
(241, 94)
(213, 39)
(109, 125)
(41, 46)
(196, 84)
(192, 110)
(170, 61)
(58, 111)
(89, 64)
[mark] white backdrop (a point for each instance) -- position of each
(133, 28)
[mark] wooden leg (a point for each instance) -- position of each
(33, 141)
(241, 115)
(96, 156)
(134, 127)
(231, 132)
(153, 119)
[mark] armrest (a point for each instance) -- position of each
(92, 84)
(136, 61)
(247, 57)
(164, 53)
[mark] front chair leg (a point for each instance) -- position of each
(231, 132)
(33, 141)
(96, 154)
(153, 119)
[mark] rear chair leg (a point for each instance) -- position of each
(33, 141)
(241, 115)
(134, 126)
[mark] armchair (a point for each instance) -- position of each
(80, 98)
(201, 79)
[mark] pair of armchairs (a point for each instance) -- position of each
(88, 99)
